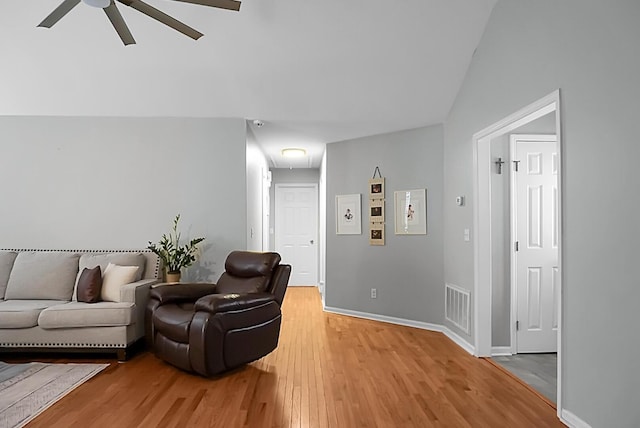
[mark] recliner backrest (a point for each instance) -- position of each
(248, 272)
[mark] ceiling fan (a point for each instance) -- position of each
(110, 8)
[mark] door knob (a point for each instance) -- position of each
(311, 242)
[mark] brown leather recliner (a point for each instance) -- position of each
(212, 328)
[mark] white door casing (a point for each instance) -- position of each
(266, 207)
(296, 234)
(535, 274)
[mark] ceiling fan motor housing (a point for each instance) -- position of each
(98, 3)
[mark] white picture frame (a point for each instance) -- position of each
(348, 215)
(410, 212)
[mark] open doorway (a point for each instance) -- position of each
(494, 308)
(525, 266)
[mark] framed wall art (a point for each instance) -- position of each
(348, 215)
(376, 208)
(376, 211)
(376, 234)
(411, 212)
(376, 188)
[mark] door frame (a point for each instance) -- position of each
(266, 209)
(482, 259)
(317, 232)
(513, 139)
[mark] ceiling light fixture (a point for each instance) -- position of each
(293, 153)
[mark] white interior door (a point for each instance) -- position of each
(536, 274)
(296, 234)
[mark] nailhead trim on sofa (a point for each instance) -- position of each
(17, 250)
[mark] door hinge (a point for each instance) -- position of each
(517, 325)
(517, 246)
(515, 165)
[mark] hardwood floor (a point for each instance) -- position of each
(328, 371)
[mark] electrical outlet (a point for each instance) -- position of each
(374, 293)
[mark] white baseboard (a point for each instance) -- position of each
(458, 340)
(499, 351)
(572, 420)
(385, 318)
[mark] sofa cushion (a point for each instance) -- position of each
(115, 277)
(91, 260)
(90, 285)
(23, 313)
(42, 275)
(80, 314)
(6, 263)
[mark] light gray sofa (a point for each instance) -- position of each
(39, 309)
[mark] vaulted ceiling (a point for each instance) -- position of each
(314, 72)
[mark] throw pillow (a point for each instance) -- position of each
(91, 260)
(90, 285)
(6, 263)
(42, 275)
(115, 277)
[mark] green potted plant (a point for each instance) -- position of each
(174, 256)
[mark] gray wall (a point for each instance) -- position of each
(114, 183)
(501, 228)
(588, 49)
(500, 245)
(407, 271)
(286, 175)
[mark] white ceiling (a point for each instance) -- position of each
(314, 71)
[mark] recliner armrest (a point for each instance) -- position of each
(217, 303)
(181, 293)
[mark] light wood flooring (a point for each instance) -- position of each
(328, 371)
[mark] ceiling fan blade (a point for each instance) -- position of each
(160, 16)
(59, 12)
(222, 4)
(118, 23)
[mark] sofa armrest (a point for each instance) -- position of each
(217, 303)
(181, 293)
(138, 294)
(130, 292)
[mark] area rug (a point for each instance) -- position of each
(26, 390)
